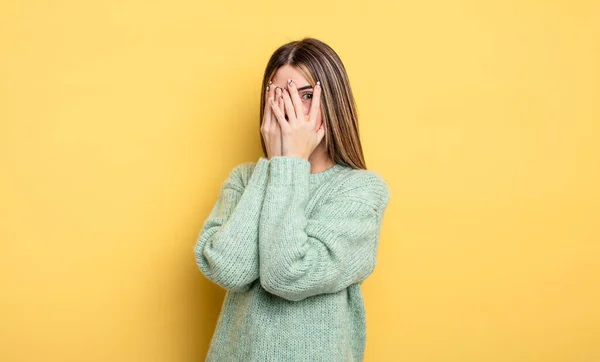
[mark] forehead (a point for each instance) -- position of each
(286, 72)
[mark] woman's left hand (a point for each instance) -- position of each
(298, 135)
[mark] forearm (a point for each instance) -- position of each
(336, 245)
(282, 236)
(227, 247)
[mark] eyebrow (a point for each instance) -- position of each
(305, 87)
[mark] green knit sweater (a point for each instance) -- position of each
(291, 248)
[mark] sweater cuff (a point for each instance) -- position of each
(289, 170)
(260, 173)
(262, 164)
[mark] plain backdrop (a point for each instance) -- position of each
(119, 120)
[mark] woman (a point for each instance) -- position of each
(292, 236)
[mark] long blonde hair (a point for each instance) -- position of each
(316, 60)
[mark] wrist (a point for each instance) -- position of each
(296, 155)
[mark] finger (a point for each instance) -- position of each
(289, 107)
(280, 104)
(270, 90)
(270, 93)
(274, 125)
(279, 115)
(315, 104)
(276, 99)
(297, 102)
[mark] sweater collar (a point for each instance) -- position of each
(318, 177)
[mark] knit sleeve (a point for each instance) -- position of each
(227, 247)
(325, 252)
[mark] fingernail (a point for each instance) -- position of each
(318, 83)
(289, 81)
(270, 82)
(268, 88)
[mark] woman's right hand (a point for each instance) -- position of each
(270, 128)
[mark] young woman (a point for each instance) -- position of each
(292, 236)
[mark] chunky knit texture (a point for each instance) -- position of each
(291, 249)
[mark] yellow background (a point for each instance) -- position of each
(120, 120)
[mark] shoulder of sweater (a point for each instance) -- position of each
(366, 186)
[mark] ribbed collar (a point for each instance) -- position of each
(317, 178)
